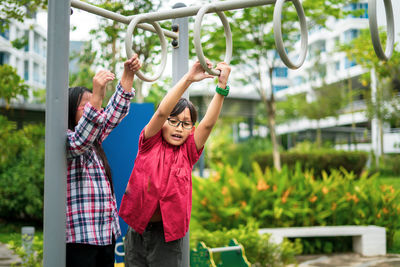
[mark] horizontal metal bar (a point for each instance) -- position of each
(223, 249)
(192, 10)
(169, 14)
(117, 17)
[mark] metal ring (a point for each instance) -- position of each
(278, 33)
(373, 25)
(129, 51)
(197, 42)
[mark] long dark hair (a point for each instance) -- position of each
(181, 105)
(74, 98)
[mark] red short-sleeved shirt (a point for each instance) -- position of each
(162, 174)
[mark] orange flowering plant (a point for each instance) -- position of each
(293, 198)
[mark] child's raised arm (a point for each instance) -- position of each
(130, 67)
(119, 103)
(207, 123)
(195, 74)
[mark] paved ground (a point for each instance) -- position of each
(334, 260)
(6, 256)
(349, 260)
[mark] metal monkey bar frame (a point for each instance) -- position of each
(57, 82)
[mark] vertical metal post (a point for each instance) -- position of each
(56, 125)
(180, 66)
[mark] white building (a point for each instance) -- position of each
(30, 60)
(333, 68)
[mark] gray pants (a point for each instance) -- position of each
(150, 248)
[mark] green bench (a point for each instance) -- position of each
(231, 256)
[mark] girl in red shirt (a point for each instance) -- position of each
(158, 198)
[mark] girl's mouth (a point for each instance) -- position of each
(176, 136)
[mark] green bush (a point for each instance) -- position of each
(21, 171)
(258, 249)
(319, 160)
(230, 198)
(389, 165)
(222, 149)
(34, 259)
(326, 245)
(241, 153)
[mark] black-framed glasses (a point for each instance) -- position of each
(188, 125)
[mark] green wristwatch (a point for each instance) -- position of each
(221, 91)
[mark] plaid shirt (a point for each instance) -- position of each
(92, 216)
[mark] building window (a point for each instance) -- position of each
(349, 63)
(17, 66)
(336, 40)
(358, 6)
(337, 65)
(27, 43)
(5, 34)
(44, 49)
(280, 72)
(4, 58)
(278, 88)
(26, 70)
(36, 44)
(298, 80)
(320, 46)
(350, 35)
(36, 75)
(363, 6)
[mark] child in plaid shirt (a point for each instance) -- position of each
(92, 218)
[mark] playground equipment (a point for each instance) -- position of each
(199, 11)
(231, 256)
(373, 25)
(153, 18)
(57, 81)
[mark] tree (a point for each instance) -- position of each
(254, 40)
(85, 61)
(385, 104)
(18, 10)
(11, 85)
(327, 102)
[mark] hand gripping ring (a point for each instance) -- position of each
(278, 33)
(129, 51)
(373, 25)
(197, 43)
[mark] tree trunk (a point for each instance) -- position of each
(381, 136)
(353, 124)
(270, 105)
(271, 112)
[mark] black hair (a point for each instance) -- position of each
(74, 98)
(181, 105)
